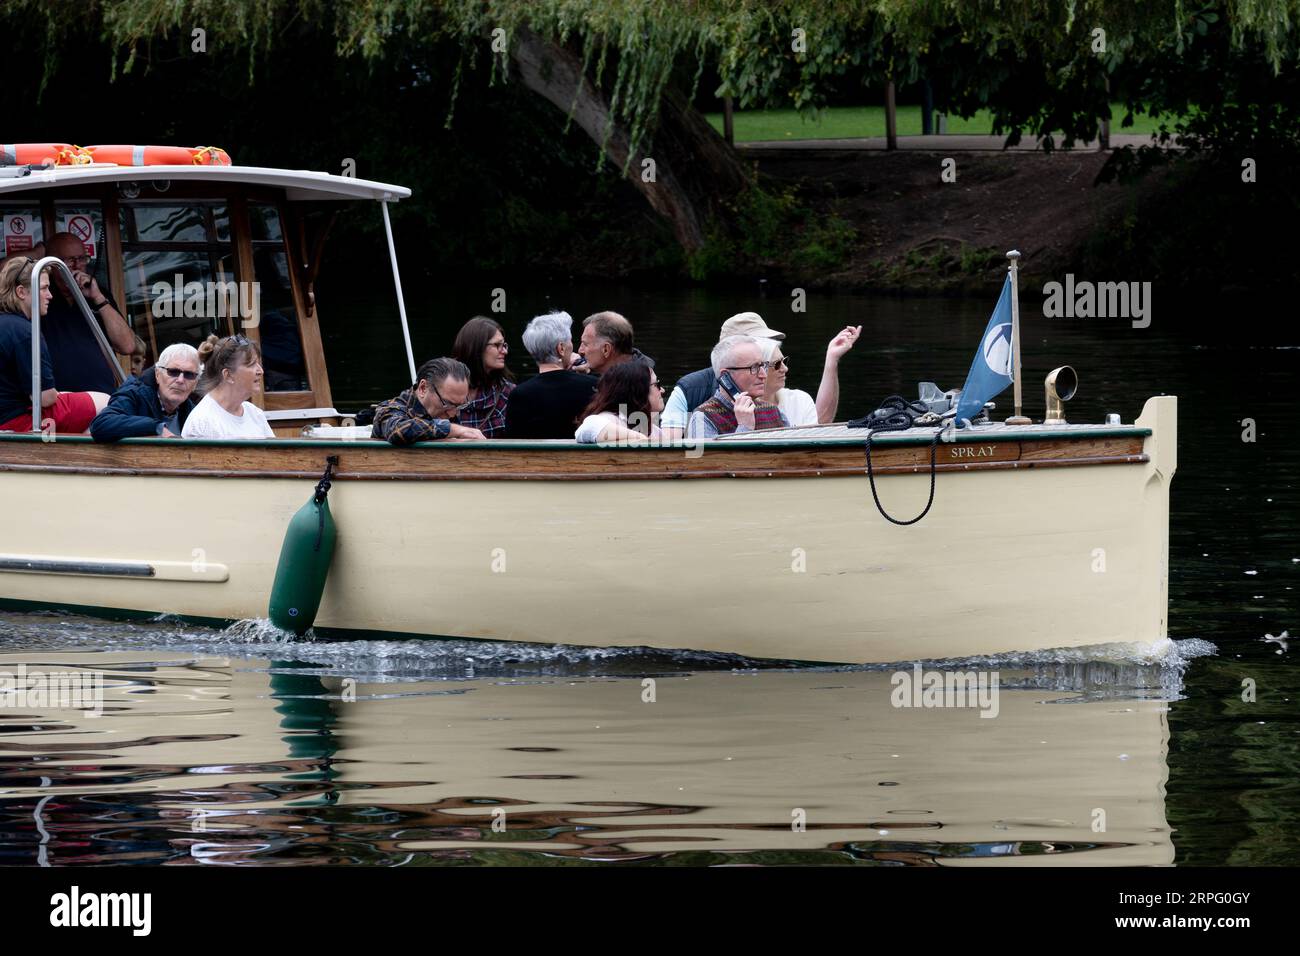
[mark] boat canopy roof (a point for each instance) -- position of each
(298, 184)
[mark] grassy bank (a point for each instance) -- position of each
(847, 122)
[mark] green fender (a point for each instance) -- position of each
(304, 565)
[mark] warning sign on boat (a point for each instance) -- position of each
(82, 227)
(19, 233)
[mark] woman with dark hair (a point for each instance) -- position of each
(625, 408)
(481, 345)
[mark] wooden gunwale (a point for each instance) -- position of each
(548, 461)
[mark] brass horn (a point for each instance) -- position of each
(1061, 385)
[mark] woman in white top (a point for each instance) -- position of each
(625, 408)
(797, 405)
(232, 371)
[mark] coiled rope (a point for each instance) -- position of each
(898, 414)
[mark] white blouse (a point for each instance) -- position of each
(798, 406)
(210, 420)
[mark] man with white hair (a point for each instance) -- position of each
(548, 405)
(737, 405)
(694, 387)
(154, 403)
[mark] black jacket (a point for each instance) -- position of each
(135, 411)
(698, 387)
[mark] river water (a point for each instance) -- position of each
(240, 747)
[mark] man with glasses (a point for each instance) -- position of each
(155, 403)
(737, 405)
(695, 387)
(79, 365)
(424, 411)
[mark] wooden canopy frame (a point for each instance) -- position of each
(302, 253)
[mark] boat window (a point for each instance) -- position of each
(192, 222)
(264, 222)
(282, 354)
(179, 265)
(21, 227)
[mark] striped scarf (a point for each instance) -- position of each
(723, 416)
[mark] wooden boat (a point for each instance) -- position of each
(1040, 536)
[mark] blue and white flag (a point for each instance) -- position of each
(990, 373)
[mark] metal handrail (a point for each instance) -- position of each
(118, 375)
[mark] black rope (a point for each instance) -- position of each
(322, 492)
(897, 414)
(934, 444)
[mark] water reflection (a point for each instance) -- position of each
(232, 761)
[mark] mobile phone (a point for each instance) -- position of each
(729, 384)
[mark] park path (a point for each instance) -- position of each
(943, 143)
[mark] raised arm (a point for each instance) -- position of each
(828, 393)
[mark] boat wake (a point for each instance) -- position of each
(1102, 672)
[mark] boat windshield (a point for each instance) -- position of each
(171, 250)
(184, 281)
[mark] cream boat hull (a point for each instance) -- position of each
(796, 567)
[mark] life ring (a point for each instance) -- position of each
(44, 154)
(160, 155)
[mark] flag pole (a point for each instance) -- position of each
(1014, 256)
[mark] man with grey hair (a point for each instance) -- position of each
(549, 405)
(695, 387)
(607, 340)
(154, 403)
(737, 405)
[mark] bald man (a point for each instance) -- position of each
(79, 365)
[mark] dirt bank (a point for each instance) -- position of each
(917, 233)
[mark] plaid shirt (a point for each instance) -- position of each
(403, 421)
(487, 413)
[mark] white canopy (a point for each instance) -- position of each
(298, 184)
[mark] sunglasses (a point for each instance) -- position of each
(179, 373)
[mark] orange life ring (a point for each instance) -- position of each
(160, 155)
(41, 154)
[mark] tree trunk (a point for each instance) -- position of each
(693, 170)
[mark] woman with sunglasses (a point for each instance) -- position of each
(481, 345)
(625, 408)
(155, 403)
(67, 411)
(797, 405)
(232, 374)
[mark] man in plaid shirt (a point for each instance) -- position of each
(424, 411)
